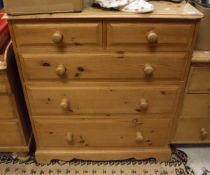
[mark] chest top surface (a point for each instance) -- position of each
(201, 56)
(163, 10)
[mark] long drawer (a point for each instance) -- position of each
(133, 132)
(93, 98)
(59, 35)
(196, 106)
(10, 134)
(6, 107)
(146, 66)
(193, 130)
(149, 36)
(199, 80)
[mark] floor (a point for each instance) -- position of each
(199, 158)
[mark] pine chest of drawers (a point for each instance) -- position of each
(104, 85)
(194, 120)
(15, 130)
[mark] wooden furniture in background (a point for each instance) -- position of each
(194, 122)
(203, 41)
(21, 7)
(105, 85)
(15, 130)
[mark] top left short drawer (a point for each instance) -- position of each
(60, 36)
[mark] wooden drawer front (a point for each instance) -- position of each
(6, 107)
(3, 82)
(2, 76)
(3, 88)
(10, 134)
(150, 36)
(102, 132)
(95, 99)
(159, 66)
(196, 106)
(199, 80)
(193, 130)
(59, 35)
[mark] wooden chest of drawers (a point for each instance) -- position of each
(194, 121)
(104, 85)
(15, 131)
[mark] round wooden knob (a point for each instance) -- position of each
(203, 133)
(144, 105)
(64, 104)
(139, 137)
(60, 70)
(148, 70)
(57, 37)
(69, 137)
(152, 37)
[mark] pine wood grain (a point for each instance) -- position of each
(160, 153)
(133, 36)
(103, 66)
(10, 134)
(199, 79)
(122, 98)
(74, 35)
(6, 107)
(163, 10)
(104, 87)
(15, 133)
(2, 76)
(196, 106)
(101, 132)
(189, 131)
(200, 56)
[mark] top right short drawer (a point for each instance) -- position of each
(136, 36)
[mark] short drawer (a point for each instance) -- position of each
(106, 98)
(58, 36)
(68, 133)
(149, 36)
(141, 66)
(193, 131)
(196, 106)
(10, 134)
(6, 107)
(199, 80)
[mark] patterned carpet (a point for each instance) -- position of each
(176, 166)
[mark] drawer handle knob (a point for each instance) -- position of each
(152, 37)
(64, 104)
(57, 37)
(144, 104)
(69, 137)
(139, 137)
(60, 70)
(148, 70)
(203, 133)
